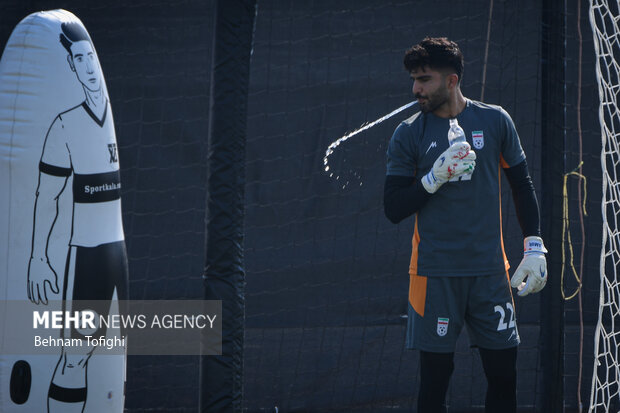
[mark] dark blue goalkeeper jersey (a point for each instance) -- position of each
(458, 232)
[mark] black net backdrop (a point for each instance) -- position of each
(326, 272)
(591, 156)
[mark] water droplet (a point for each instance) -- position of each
(366, 125)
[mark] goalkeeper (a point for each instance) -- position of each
(459, 271)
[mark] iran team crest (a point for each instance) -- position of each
(442, 326)
(478, 139)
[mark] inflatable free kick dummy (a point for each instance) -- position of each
(61, 235)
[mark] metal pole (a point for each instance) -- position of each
(224, 277)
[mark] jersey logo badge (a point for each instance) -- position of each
(431, 146)
(477, 137)
(113, 152)
(442, 326)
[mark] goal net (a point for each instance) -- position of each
(604, 18)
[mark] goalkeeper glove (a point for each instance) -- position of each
(457, 160)
(533, 266)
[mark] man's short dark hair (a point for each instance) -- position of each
(436, 53)
(71, 33)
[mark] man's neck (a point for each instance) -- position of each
(450, 109)
(96, 101)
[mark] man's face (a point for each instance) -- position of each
(84, 64)
(430, 88)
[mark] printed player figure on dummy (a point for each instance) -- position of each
(80, 143)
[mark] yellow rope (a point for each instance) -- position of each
(566, 231)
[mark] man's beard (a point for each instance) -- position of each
(433, 101)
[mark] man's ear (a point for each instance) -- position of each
(70, 61)
(453, 80)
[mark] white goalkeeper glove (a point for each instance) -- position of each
(457, 160)
(533, 266)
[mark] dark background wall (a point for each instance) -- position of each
(326, 272)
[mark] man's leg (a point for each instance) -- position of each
(492, 324)
(435, 372)
(67, 392)
(500, 367)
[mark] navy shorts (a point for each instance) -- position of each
(440, 306)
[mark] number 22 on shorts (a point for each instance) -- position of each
(502, 324)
